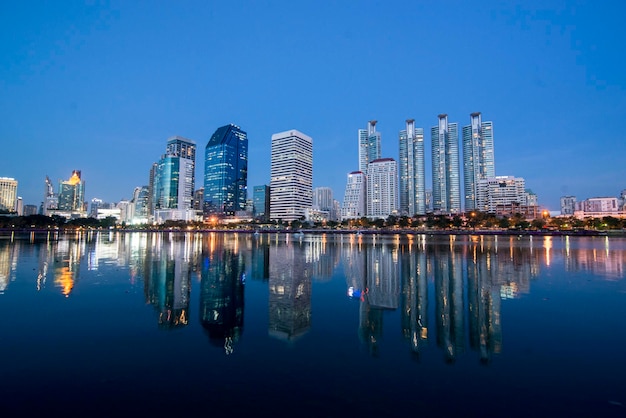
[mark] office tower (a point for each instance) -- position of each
(72, 193)
(478, 157)
(141, 199)
(291, 183)
(226, 171)
(382, 186)
(174, 175)
(30, 210)
(323, 198)
(8, 194)
(354, 197)
(152, 190)
(369, 145)
(261, 202)
(445, 166)
(568, 205)
(95, 205)
(198, 199)
(412, 170)
(50, 198)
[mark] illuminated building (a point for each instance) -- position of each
(478, 157)
(412, 172)
(174, 181)
(71, 197)
(445, 167)
(291, 183)
(354, 197)
(8, 194)
(226, 171)
(382, 187)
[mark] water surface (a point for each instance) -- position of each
(101, 324)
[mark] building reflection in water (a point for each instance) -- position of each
(167, 284)
(447, 288)
(289, 288)
(222, 291)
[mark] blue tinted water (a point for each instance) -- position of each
(103, 324)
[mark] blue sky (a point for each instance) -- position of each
(99, 86)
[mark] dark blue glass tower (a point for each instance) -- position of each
(226, 171)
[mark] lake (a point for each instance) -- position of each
(324, 325)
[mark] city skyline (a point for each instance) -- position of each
(93, 87)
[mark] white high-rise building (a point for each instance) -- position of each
(354, 197)
(412, 186)
(291, 175)
(500, 190)
(8, 194)
(445, 166)
(568, 205)
(382, 188)
(478, 156)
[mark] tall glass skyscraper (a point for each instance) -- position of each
(369, 145)
(412, 170)
(72, 193)
(174, 175)
(291, 183)
(478, 157)
(445, 166)
(226, 171)
(261, 202)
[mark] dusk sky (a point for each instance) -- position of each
(100, 86)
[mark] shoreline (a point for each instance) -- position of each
(578, 233)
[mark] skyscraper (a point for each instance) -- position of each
(478, 157)
(354, 196)
(72, 193)
(412, 171)
(382, 187)
(445, 166)
(226, 171)
(261, 202)
(8, 194)
(174, 176)
(291, 183)
(369, 145)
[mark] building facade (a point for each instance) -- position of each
(411, 171)
(568, 205)
(382, 186)
(354, 196)
(261, 202)
(174, 180)
(291, 183)
(369, 145)
(500, 190)
(445, 167)
(226, 171)
(8, 194)
(71, 196)
(478, 157)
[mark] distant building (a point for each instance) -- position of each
(598, 207)
(72, 193)
(568, 205)
(501, 190)
(140, 204)
(478, 157)
(8, 194)
(30, 210)
(198, 199)
(50, 199)
(445, 167)
(411, 171)
(261, 202)
(291, 183)
(226, 171)
(354, 197)
(382, 186)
